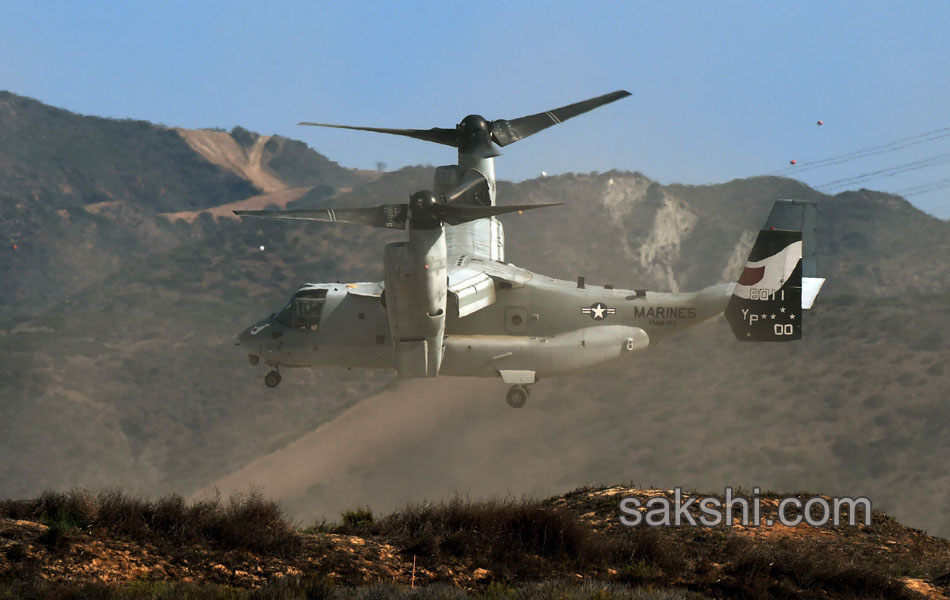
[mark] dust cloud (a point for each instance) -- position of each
(420, 439)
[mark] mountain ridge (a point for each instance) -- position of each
(117, 364)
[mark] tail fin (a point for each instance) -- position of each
(766, 304)
(801, 215)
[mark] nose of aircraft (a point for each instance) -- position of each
(244, 338)
(247, 340)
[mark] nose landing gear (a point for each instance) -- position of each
(517, 396)
(272, 379)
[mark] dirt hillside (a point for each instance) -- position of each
(220, 148)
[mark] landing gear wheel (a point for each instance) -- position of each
(517, 396)
(272, 379)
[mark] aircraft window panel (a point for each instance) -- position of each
(285, 316)
(307, 312)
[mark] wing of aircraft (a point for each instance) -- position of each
(472, 282)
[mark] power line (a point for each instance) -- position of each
(900, 144)
(889, 171)
(924, 188)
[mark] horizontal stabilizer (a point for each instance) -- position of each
(810, 288)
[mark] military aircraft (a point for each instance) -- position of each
(449, 304)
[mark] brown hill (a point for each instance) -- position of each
(80, 195)
(117, 364)
(110, 544)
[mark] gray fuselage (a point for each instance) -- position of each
(525, 321)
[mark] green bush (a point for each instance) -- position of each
(358, 518)
(243, 137)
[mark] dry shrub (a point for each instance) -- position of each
(504, 535)
(646, 553)
(801, 569)
(246, 522)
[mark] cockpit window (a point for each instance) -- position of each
(284, 317)
(304, 310)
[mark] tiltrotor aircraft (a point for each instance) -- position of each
(449, 304)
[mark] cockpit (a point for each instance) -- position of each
(304, 310)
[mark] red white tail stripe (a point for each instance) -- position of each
(769, 273)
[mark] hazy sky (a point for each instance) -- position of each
(720, 89)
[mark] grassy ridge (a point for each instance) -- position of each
(506, 547)
(245, 522)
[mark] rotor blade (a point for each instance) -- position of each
(507, 132)
(393, 216)
(439, 135)
(454, 214)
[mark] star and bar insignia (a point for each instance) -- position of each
(598, 311)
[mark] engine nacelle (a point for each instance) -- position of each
(486, 355)
(416, 274)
